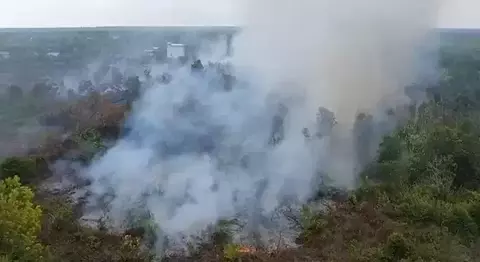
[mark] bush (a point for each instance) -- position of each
(398, 247)
(26, 168)
(89, 143)
(231, 252)
(19, 222)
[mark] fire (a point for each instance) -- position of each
(247, 250)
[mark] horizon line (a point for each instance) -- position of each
(110, 26)
(168, 26)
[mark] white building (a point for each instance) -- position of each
(175, 50)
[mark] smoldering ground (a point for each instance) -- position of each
(196, 154)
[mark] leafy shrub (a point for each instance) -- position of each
(398, 247)
(231, 252)
(89, 143)
(26, 168)
(19, 222)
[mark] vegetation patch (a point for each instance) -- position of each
(19, 223)
(28, 169)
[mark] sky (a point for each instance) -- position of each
(74, 13)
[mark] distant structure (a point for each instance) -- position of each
(175, 51)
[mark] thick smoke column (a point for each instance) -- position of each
(348, 55)
(196, 154)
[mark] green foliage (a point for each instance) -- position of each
(70, 241)
(429, 244)
(19, 222)
(26, 168)
(224, 231)
(420, 199)
(310, 221)
(90, 137)
(89, 143)
(231, 252)
(58, 213)
(142, 222)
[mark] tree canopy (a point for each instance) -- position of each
(19, 222)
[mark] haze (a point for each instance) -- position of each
(74, 13)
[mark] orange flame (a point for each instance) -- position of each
(247, 250)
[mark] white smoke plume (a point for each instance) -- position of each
(348, 54)
(196, 154)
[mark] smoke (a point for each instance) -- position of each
(196, 154)
(348, 55)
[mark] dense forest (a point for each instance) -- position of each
(419, 200)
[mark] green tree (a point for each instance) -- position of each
(19, 222)
(26, 168)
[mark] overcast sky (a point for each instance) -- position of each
(54, 13)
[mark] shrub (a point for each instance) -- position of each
(89, 142)
(398, 247)
(19, 222)
(26, 168)
(231, 252)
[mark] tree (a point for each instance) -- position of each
(19, 222)
(133, 86)
(25, 168)
(197, 66)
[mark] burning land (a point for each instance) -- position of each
(229, 144)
